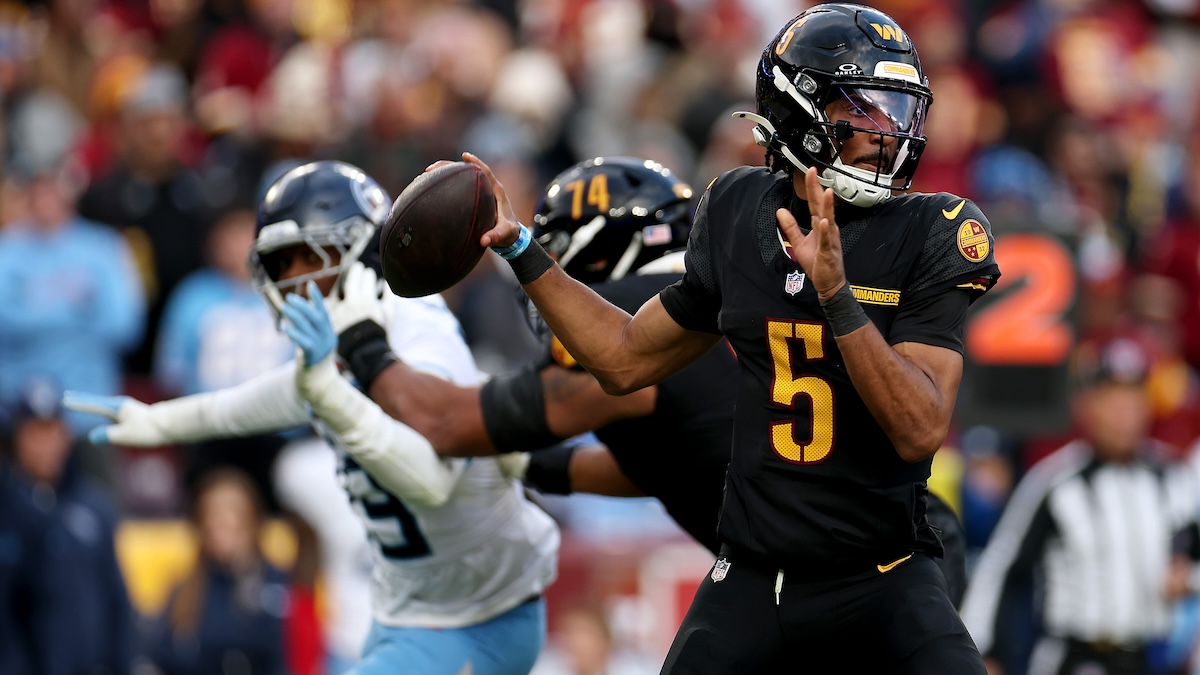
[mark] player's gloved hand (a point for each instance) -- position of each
(135, 426)
(307, 325)
(362, 299)
(357, 316)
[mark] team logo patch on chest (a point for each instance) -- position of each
(973, 241)
(793, 282)
(720, 570)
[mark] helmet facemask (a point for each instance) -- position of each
(349, 238)
(807, 122)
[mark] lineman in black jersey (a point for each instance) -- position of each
(849, 344)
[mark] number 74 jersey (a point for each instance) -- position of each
(483, 552)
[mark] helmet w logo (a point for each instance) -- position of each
(889, 32)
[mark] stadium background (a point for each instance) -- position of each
(1074, 124)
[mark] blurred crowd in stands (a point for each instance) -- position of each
(137, 135)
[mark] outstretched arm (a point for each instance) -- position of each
(525, 410)
(565, 469)
(464, 422)
(399, 458)
(264, 404)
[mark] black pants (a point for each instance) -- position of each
(899, 622)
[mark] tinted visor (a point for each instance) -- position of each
(879, 110)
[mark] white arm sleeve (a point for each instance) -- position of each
(396, 456)
(264, 404)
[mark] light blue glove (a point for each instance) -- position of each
(307, 325)
(108, 406)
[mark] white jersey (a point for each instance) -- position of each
(483, 552)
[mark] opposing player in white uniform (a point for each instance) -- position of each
(461, 557)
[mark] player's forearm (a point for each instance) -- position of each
(267, 403)
(575, 403)
(397, 457)
(594, 470)
(623, 353)
(590, 327)
(446, 414)
(904, 399)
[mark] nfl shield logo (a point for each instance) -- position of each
(794, 282)
(720, 570)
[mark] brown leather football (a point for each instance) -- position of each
(430, 240)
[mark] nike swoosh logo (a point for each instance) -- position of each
(888, 567)
(953, 213)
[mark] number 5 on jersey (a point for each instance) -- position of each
(786, 387)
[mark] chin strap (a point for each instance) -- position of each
(852, 189)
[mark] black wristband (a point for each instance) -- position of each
(844, 313)
(365, 349)
(514, 411)
(531, 264)
(549, 469)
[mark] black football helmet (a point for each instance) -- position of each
(607, 216)
(858, 59)
(319, 204)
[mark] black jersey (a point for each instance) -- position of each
(813, 480)
(679, 452)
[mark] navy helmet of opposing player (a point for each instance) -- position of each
(327, 206)
(607, 216)
(835, 71)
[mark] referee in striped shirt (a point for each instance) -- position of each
(1106, 529)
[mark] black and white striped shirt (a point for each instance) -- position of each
(1101, 535)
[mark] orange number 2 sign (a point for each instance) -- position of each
(1028, 325)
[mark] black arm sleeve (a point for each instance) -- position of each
(364, 347)
(514, 411)
(550, 469)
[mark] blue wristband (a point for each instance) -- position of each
(518, 247)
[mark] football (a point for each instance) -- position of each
(430, 240)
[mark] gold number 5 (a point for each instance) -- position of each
(785, 387)
(787, 37)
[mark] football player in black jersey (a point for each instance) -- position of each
(616, 224)
(848, 332)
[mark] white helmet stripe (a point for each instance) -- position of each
(582, 237)
(627, 258)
